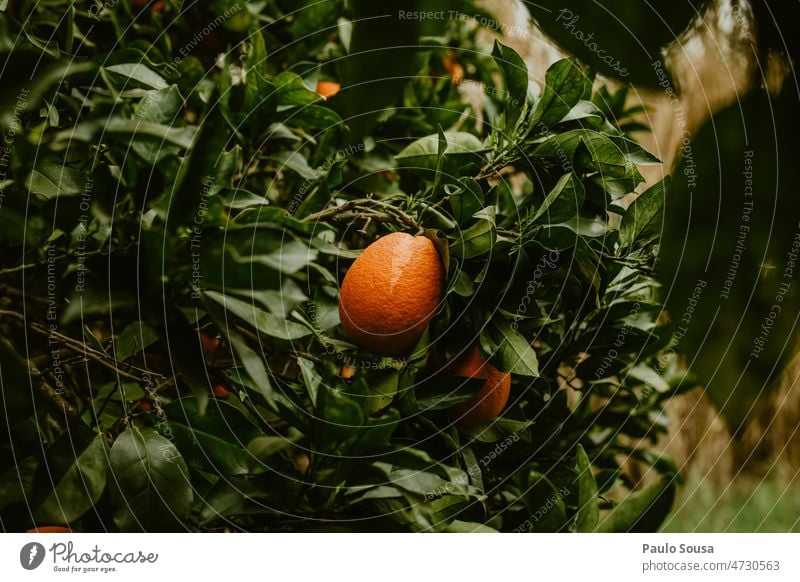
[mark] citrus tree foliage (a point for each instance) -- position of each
(179, 207)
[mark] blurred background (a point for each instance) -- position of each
(720, 97)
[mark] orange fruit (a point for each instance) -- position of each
(455, 69)
(143, 406)
(49, 529)
(155, 6)
(221, 391)
(491, 398)
(390, 293)
(213, 348)
(348, 372)
(328, 89)
(209, 344)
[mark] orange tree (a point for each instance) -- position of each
(179, 209)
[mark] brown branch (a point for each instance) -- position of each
(363, 208)
(81, 348)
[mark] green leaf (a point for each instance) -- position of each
(565, 85)
(252, 246)
(72, 476)
(476, 240)
(588, 508)
(466, 198)
(16, 483)
(421, 156)
(583, 110)
(19, 80)
(458, 526)
(139, 72)
(546, 509)
(251, 360)
(633, 152)
(51, 180)
(13, 227)
(185, 350)
(443, 391)
(215, 441)
(158, 106)
(296, 162)
(515, 73)
(292, 91)
(563, 201)
(315, 117)
(197, 170)
(311, 378)
(249, 496)
(341, 417)
(133, 339)
(642, 212)
(263, 447)
(16, 383)
(253, 364)
(256, 59)
(643, 511)
(597, 152)
(382, 386)
(516, 353)
(259, 103)
(130, 130)
(152, 490)
(259, 319)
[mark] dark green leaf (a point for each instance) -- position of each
(515, 352)
(152, 490)
(588, 509)
(642, 511)
(72, 476)
(566, 84)
(515, 73)
(215, 441)
(642, 212)
(51, 180)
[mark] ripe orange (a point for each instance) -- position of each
(390, 293)
(220, 391)
(347, 372)
(209, 345)
(213, 349)
(328, 89)
(489, 401)
(143, 406)
(455, 69)
(49, 529)
(155, 6)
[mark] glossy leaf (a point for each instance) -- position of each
(151, 489)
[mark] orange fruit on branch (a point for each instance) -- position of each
(220, 391)
(391, 292)
(328, 89)
(491, 398)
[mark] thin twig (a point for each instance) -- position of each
(80, 348)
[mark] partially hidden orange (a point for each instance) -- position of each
(328, 89)
(455, 69)
(390, 293)
(49, 529)
(491, 398)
